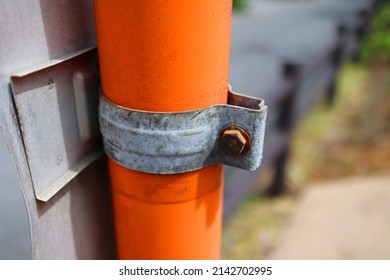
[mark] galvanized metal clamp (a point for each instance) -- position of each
(170, 143)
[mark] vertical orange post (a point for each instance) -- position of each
(165, 56)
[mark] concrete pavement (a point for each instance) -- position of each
(347, 219)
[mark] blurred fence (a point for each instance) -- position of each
(289, 53)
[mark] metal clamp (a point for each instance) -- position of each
(170, 143)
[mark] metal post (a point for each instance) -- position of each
(165, 56)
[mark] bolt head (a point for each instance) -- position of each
(234, 141)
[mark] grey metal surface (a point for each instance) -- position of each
(34, 32)
(15, 242)
(76, 223)
(168, 143)
(57, 107)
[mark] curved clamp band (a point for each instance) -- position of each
(169, 143)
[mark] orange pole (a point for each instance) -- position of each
(165, 56)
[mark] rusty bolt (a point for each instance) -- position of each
(235, 141)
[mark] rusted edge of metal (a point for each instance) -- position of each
(170, 143)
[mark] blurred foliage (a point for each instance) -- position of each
(239, 5)
(376, 46)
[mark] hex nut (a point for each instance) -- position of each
(235, 141)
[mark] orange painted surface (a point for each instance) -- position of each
(165, 56)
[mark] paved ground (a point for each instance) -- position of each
(348, 219)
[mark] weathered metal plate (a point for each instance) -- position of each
(57, 110)
(76, 223)
(15, 240)
(170, 143)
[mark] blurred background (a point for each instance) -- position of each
(328, 195)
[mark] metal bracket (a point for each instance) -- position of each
(170, 143)
(56, 105)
